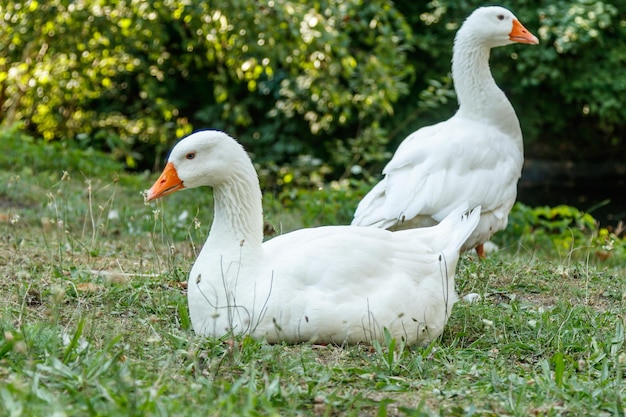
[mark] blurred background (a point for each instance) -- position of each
(318, 92)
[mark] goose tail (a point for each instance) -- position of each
(458, 226)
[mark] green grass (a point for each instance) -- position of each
(94, 322)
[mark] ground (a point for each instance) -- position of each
(94, 322)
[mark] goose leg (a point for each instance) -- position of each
(480, 251)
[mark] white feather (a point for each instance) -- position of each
(474, 157)
(332, 284)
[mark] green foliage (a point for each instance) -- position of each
(578, 69)
(23, 152)
(566, 91)
(562, 229)
(333, 79)
(332, 203)
(286, 78)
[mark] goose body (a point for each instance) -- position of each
(476, 156)
(332, 284)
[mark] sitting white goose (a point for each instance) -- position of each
(475, 157)
(332, 284)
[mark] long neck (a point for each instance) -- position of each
(238, 216)
(478, 95)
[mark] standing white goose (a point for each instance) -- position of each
(476, 156)
(333, 284)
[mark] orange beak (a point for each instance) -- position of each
(520, 34)
(167, 183)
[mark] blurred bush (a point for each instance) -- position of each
(567, 91)
(338, 81)
(129, 77)
(563, 230)
(23, 153)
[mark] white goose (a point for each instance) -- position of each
(475, 157)
(333, 284)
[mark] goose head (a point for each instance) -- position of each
(495, 26)
(204, 158)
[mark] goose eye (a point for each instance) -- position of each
(190, 155)
(500, 17)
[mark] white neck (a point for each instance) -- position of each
(238, 216)
(478, 95)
